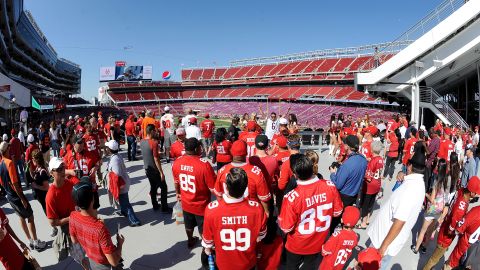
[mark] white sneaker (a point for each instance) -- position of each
(39, 245)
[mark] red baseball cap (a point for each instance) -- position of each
(193, 120)
(282, 142)
(239, 148)
(474, 184)
(251, 125)
(369, 259)
(12, 131)
(350, 216)
(207, 115)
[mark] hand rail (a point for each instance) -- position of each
(429, 95)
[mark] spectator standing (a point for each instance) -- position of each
(207, 127)
(221, 149)
(91, 233)
(233, 130)
(392, 155)
(17, 200)
(186, 118)
(32, 145)
(153, 169)
(272, 125)
(54, 133)
(167, 122)
(148, 120)
(24, 120)
(193, 131)
(17, 151)
(178, 148)
(222, 235)
(391, 228)
(44, 137)
(21, 137)
(194, 181)
(349, 176)
(304, 242)
(469, 167)
(117, 167)
(285, 170)
(130, 132)
(248, 137)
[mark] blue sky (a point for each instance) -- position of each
(172, 34)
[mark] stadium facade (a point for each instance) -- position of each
(29, 65)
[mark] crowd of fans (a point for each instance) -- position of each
(255, 198)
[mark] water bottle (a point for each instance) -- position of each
(211, 262)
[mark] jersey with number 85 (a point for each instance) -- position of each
(234, 226)
(338, 249)
(306, 215)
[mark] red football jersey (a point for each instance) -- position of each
(177, 150)
(249, 138)
(234, 226)
(366, 149)
(446, 148)
(223, 151)
(408, 150)
(282, 157)
(269, 167)
(338, 249)
(257, 185)
(207, 127)
(285, 174)
(392, 125)
(79, 161)
(306, 214)
(469, 226)
(373, 175)
(456, 212)
(92, 144)
(197, 179)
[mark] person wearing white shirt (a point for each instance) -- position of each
(392, 226)
(186, 118)
(24, 119)
(21, 137)
(167, 122)
(272, 126)
(54, 134)
(193, 131)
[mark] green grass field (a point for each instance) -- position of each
(218, 122)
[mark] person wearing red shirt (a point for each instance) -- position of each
(249, 136)
(278, 137)
(306, 214)
(408, 149)
(392, 155)
(446, 148)
(234, 225)
(368, 259)
(267, 163)
(10, 255)
(221, 149)
(194, 180)
(285, 171)
(392, 124)
(177, 149)
(92, 146)
(366, 149)
(258, 189)
(16, 154)
(469, 232)
(91, 232)
(456, 213)
(372, 184)
(131, 138)
(283, 153)
(207, 127)
(338, 248)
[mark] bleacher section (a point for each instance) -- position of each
(311, 115)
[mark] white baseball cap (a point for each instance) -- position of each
(283, 121)
(166, 108)
(54, 163)
(112, 144)
(3, 146)
(5, 137)
(70, 117)
(30, 138)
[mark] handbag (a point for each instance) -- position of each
(31, 260)
(438, 204)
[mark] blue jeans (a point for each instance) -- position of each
(385, 264)
(132, 147)
(126, 208)
(21, 170)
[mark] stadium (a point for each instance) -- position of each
(378, 143)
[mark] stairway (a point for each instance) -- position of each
(430, 99)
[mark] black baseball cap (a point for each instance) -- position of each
(261, 142)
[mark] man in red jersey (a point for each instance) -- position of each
(168, 125)
(338, 248)
(249, 136)
(306, 214)
(366, 149)
(178, 149)
(221, 149)
(392, 124)
(234, 225)
(446, 148)
(257, 185)
(285, 172)
(408, 148)
(92, 147)
(283, 153)
(207, 127)
(194, 180)
(456, 213)
(11, 256)
(130, 132)
(469, 232)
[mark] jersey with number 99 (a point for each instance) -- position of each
(234, 226)
(196, 179)
(306, 215)
(338, 249)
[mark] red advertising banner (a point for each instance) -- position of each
(120, 63)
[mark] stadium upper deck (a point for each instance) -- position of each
(27, 57)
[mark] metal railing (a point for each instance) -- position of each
(440, 13)
(429, 95)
